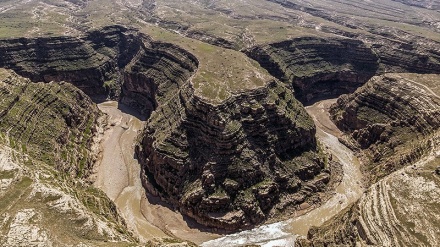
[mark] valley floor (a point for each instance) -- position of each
(118, 175)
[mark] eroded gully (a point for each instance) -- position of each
(118, 175)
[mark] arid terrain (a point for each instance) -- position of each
(219, 123)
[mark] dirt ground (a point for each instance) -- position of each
(118, 175)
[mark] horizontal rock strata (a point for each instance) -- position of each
(323, 68)
(230, 165)
(317, 67)
(389, 117)
(114, 62)
(395, 120)
(400, 210)
(53, 122)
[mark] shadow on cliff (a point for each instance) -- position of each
(130, 111)
(122, 107)
(190, 222)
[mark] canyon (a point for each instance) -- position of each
(145, 125)
(250, 147)
(381, 216)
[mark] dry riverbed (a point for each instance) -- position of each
(118, 175)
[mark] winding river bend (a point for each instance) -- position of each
(348, 191)
(118, 175)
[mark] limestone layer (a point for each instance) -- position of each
(322, 68)
(229, 165)
(391, 118)
(394, 119)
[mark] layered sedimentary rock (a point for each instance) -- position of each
(113, 62)
(317, 67)
(390, 117)
(409, 54)
(234, 164)
(64, 59)
(155, 73)
(228, 165)
(46, 134)
(395, 120)
(53, 122)
(400, 210)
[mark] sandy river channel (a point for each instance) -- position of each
(118, 175)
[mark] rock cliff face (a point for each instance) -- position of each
(317, 67)
(410, 54)
(45, 152)
(114, 62)
(395, 120)
(229, 165)
(390, 117)
(235, 164)
(396, 211)
(155, 73)
(53, 122)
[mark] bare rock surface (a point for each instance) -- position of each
(394, 120)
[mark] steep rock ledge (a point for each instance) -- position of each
(317, 67)
(53, 122)
(46, 151)
(230, 165)
(114, 62)
(396, 211)
(233, 165)
(156, 72)
(390, 117)
(395, 120)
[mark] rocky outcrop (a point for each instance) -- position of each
(113, 62)
(322, 68)
(410, 54)
(46, 152)
(395, 120)
(317, 67)
(390, 117)
(156, 72)
(396, 211)
(65, 59)
(229, 165)
(52, 122)
(233, 165)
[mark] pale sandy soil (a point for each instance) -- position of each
(350, 188)
(118, 175)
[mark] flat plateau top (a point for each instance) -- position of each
(222, 72)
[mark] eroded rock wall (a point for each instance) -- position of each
(230, 165)
(233, 165)
(323, 68)
(53, 122)
(317, 67)
(390, 117)
(46, 152)
(394, 119)
(114, 62)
